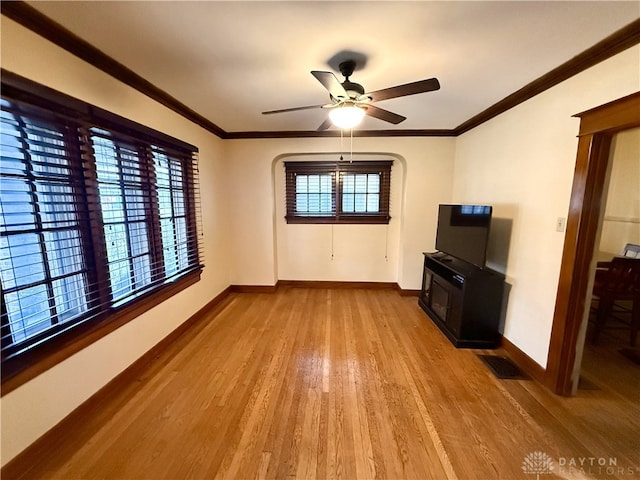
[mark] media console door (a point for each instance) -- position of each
(464, 301)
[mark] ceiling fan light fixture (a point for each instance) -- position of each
(347, 116)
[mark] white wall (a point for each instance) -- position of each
(522, 162)
(267, 249)
(25, 416)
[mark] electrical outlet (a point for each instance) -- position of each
(561, 224)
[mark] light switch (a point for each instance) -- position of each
(561, 224)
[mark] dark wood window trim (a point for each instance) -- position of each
(175, 241)
(334, 191)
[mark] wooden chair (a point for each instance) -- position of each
(618, 280)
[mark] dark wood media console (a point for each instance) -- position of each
(464, 301)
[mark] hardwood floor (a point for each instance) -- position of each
(337, 383)
(604, 367)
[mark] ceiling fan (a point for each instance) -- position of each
(349, 99)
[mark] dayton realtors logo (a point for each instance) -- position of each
(599, 466)
(538, 463)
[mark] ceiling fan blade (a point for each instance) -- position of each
(292, 109)
(324, 125)
(331, 83)
(385, 115)
(420, 86)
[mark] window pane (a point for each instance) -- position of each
(70, 296)
(181, 239)
(373, 183)
(164, 202)
(348, 203)
(326, 203)
(142, 270)
(116, 241)
(135, 204)
(361, 193)
(373, 202)
(313, 194)
(302, 204)
(120, 277)
(42, 266)
(360, 202)
(138, 238)
(106, 162)
(16, 206)
(64, 252)
(56, 205)
(178, 201)
(124, 199)
(173, 203)
(169, 251)
(301, 184)
(314, 202)
(161, 166)
(111, 203)
(22, 260)
(314, 183)
(348, 183)
(360, 183)
(28, 311)
(325, 183)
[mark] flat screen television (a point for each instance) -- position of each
(463, 232)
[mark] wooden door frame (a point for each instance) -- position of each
(597, 127)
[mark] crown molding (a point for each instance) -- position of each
(42, 25)
(336, 133)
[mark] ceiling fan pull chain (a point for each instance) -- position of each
(332, 242)
(386, 243)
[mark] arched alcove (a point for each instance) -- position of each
(338, 252)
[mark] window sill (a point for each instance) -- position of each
(345, 219)
(18, 370)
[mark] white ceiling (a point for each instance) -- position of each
(231, 60)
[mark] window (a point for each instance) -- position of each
(42, 269)
(96, 215)
(338, 192)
